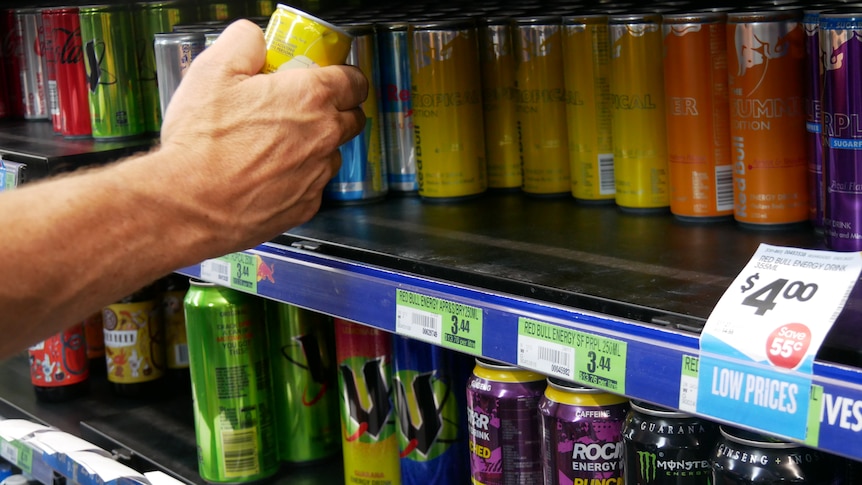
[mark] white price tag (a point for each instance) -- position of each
(546, 357)
(418, 324)
(216, 271)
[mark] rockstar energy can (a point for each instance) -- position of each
(586, 69)
(698, 129)
(767, 120)
(541, 105)
(448, 130)
(638, 112)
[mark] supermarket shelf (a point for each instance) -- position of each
(648, 282)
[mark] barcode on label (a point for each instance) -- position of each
(215, 269)
(239, 449)
(425, 320)
(9, 452)
(607, 185)
(53, 99)
(554, 356)
(724, 187)
(419, 324)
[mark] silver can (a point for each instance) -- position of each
(28, 24)
(174, 55)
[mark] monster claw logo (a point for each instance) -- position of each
(647, 462)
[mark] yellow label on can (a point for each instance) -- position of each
(638, 113)
(175, 329)
(448, 124)
(134, 346)
(295, 39)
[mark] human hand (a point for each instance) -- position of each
(256, 150)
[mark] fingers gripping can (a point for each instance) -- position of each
(295, 39)
(231, 385)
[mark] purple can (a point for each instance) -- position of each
(842, 128)
(813, 117)
(503, 423)
(34, 83)
(582, 435)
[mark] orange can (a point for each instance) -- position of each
(698, 126)
(767, 121)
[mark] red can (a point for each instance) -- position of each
(74, 110)
(58, 365)
(50, 53)
(12, 58)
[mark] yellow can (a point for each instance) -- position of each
(448, 127)
(586, 70)
(541, 105)
(295, 39)
(638, 112)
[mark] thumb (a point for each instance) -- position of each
(239, 49)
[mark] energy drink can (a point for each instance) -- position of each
(432, 412)
(13, 57)
(698, 125)
(767, 122)
(362, 176)
(541, 105)
(296, 39)
(842, 132)
(59, 366)
(743, 457)
(174, 53)
(28, 23)
(448, 130)
(71, 77)
(369, 442)
(221, 10)
(112, 72)
(173, 293)
(499, 103)
(396, 107)
(660, 443)
(504, 426)
(231, 385)
(302, 346)
(638, 112)
(586, 71)
(582, 435)
(94, 337)
(49, 52)
(813, 87)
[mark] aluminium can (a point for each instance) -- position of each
(369, 441)
(174, 53)
(541, 106)
(112, 72)
(813, 86)
(72, 85)
(33, 72)
(499, 103)
(231, 385)
(698, 119)
(49, 52)
(503, 423)
(302, 349)
(638, 113)
(362, 176)
(448, 128)
(743, 457)
(660, 443)
(296, 39)
(767, 122)
(396, 106)
(842, 129)
(586, 70)
(582, 434)
(432, 412)
(13, 57)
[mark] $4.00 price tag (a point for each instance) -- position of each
(758, 345)
(438, 321)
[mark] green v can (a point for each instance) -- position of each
(302, 349)
(231, 385)
(114, 95)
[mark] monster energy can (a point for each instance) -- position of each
(666, 447)
(231, 385)
(302, 346)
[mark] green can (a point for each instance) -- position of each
(231, 385)
(112, 71)
(153, 18)
(302, 349)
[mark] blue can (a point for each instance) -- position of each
(362, 177)
(432, 412)
(813, 118)
(397, 109)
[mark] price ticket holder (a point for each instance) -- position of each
(11, 174)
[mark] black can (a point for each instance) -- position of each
(667, 447)
(741, 457)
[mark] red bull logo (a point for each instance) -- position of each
(758, 43)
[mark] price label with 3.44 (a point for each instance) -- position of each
(759, 343)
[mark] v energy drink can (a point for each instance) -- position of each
(174, 54)
(813, 87)
(231, 385)
(638, 112)
(767, 122)
(659, 443)
(112, 72)
(71, 77)
(504, 426)
(302, 349)
(698, 126)
(582, 441)
(432, 412)
(369, 442)
(586, 69)
(499, 103)
(34, 85)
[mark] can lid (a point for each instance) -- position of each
(569, 386)
(841, 18)
(201, 283)
(586, 18)
(759, 14)
(656, 410)
(357, 28)
(493, 364)
(750, 438)
(443, 24)
(537, 20)
(300, 13)
(504, 17)
(170, 37)
(59, 10)
(392, 25)
(634, 18)
(693, 17)
(102, 8)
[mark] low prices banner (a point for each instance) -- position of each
(759, 343)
